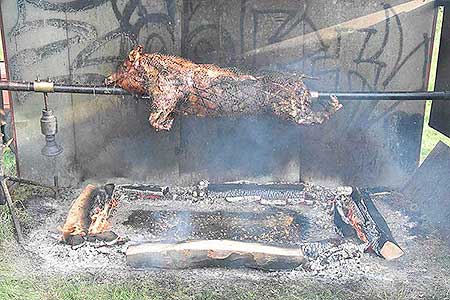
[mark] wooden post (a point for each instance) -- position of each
(9, 202)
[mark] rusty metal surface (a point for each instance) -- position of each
(82, 41)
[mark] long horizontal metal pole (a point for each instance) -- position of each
(376, 96)
(49, 87)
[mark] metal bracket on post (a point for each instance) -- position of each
(49, 128)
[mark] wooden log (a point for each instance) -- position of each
(78, 220)
(213, 253)
(358, 216)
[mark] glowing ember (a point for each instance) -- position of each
(100, 221)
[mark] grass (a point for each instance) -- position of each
(85, 289)
(150, 289)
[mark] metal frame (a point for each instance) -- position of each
(50, 87)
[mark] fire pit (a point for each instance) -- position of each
(305, 223)
(262, 226)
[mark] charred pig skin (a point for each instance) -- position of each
(179, 86)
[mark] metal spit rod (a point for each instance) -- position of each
(50, 87)
(390, 96)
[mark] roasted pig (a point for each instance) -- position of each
(179, 86)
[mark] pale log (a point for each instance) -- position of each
(77, 221)
(213, 253)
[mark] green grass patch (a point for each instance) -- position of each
(147, 289)
(12, 288)
(9, 162)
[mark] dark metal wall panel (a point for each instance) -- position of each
(440, 110)
(36, 43)
(82, 42)
(113, 135)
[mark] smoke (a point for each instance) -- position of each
(258, 148)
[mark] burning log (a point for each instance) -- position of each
(213, 253)
(100, 221)
(77, 220)
(88, 216)
(356, 215)
(179, 86)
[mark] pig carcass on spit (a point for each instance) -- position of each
(179, 86)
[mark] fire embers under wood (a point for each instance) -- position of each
(356, 215)
(180, 86)
(88, 216)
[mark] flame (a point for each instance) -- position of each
(100, 221)
(356, 225)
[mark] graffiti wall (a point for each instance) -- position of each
(347, 45)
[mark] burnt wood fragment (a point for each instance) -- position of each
(271, 191)
(88, 216)
(141, 191)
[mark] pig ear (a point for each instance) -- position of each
(139, 48)
(135, 53)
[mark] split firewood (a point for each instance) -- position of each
(88, 216)
(78, 220)
(213, 253)
(356, 215)
(178, 86)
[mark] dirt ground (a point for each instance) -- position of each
(349, 273)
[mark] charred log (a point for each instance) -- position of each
(213, 253)
(356, 215)
(179, 86)
(255, 191)
(141, 191)
(88, 216)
